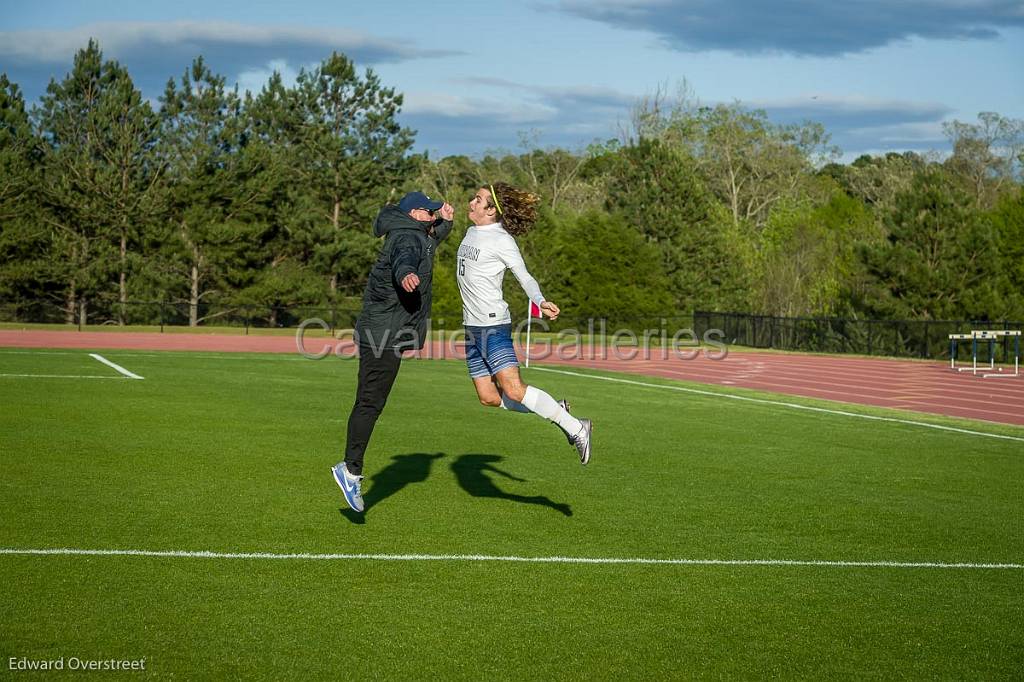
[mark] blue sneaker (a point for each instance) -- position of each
(349, 484)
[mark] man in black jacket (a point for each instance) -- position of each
(396, 311)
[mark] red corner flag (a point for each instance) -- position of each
(534, 310)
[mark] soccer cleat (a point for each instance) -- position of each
(349, 484)
(581, 441)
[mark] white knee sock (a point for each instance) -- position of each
(541, 403)
(511, 405)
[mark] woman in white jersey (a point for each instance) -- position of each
(500, 213)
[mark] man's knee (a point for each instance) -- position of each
(490, 400)
(516, 391)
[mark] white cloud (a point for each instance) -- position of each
(848, 103)
(155, 52)
(903, 133)
(461, 106)
(118, 39)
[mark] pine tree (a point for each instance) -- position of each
(352, 156)
(99, 173)
(1008, 219)
(24, 238)
(286, 275)
(620, 276)
(940, 258)
(215, 196)
(658, 192)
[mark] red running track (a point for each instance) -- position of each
(901, 384)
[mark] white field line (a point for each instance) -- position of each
(795, 406)
(61, 376)
(183, 554)
(119, 368)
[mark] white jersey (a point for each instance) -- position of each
(484, 254)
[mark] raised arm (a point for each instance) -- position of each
(443, 228)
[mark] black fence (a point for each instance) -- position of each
(896, 338)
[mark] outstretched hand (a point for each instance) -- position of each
(550, 309)
(447, 211)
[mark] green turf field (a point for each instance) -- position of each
(231, 453)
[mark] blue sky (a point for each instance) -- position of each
(880, 74)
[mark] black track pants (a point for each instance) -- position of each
(376, 377)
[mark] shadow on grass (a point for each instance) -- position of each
(474, 475)
(400, 472)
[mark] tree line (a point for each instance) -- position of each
(209, 198)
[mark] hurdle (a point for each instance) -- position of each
(995, 336)
(954, 340)
(991, 337)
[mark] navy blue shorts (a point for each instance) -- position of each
(489, 350)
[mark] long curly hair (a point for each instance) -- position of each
(517, 209)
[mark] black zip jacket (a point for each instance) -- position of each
(392, 317)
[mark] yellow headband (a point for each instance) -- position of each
(494, 198)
